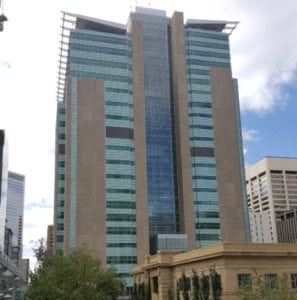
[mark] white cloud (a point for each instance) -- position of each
(264, 52)
(249, 135)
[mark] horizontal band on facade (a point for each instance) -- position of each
(120, 132)
(101, 38)
(202, 151)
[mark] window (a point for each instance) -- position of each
(294, 280)
(59, 238)
(61, 149)
(271, 280)
(244, 279)
(61, 177)
(61, 164)
(155, 284)
(60, 226)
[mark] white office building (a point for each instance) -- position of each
(271, 185)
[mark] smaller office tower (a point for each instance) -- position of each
(25, 267)
(287, 226)
(3, 185)
(15, 213)
(271, 185)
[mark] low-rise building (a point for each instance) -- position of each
(287, 226)
(234, 264)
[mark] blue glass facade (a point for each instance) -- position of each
(160, 172)
(15, 210)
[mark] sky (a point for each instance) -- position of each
(263, 55)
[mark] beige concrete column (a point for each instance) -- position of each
(183, 151)
(90, 188)
(227, 157)
(165, 282)
(142, 226)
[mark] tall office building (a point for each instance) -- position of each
(148, 136)
(15, 213)
(271, 185)
(11, 275)
(3, 185)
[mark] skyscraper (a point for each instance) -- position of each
(148, 136)
(15, 212)
(11, 275)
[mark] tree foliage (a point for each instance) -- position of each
(142, 291)
(184, 285)
(204, 287)
(216, 284)
(75, 276)
(260, 289)
(196, 285)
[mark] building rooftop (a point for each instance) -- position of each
(212, 25)
(219, 250)
(76, 21)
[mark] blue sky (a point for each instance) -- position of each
(272, 133)
(263, 55)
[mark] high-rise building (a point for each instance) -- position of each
(12, 279)
(148, 136)
(15, 213)
(3, 185)
(271, 185)
(25, 267)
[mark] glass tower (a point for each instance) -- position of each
(160, 165)
(15, 212)
(148, 136)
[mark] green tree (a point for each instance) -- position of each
(204, 287)
(262, 289)
(184, 285)
(196, 285)
(75, 276)
(216, 284)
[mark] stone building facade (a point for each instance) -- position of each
(233, 262)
